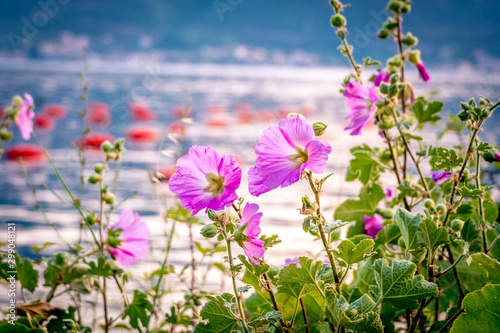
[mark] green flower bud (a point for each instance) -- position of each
(385, 213)
(94, 179)
(457, 224)
(106, 146)
(17, 101)
(109, 198)
(441, 209)
(395, 61)
(114, 237)
(307, 206)
(490, 157)
(386, 123)
(212, 214)
(409, 40)
(463, 115)
(341, 34)
(319, 128)
(384, 88)
(338, 21)
(414, 57)
(5, 135)
(209, 231)
(394, 78)
(98, 167)
(429, 203)
(119, 144)
(393, 90)
(383, 33)
(485, 113)
(91, 218)
(405, 9)
(394, 6)
(390, 24)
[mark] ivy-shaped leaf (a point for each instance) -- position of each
(27, 275)
(139, 311)
(298, 280)
(431, 236)
(364, 166)
(482, 312)
(219, 312)
(426, 111)
(466, 192)
(398, 284)
(487, 266)
(357, 316)
(448, 159)
(261, 324)
(102, 268)
(270, 241)
(352, 254)
(409, 225)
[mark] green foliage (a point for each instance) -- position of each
(27, 275)
(139, 310)
(261, 324)
(353, 254)
(398, 284)
(426, 111)
(102, 268)
(430, 236)
(65, 321)
(219, 312)
(447, 159)
(488, 268)
(482, 313)
(409, 225)
(365, 166)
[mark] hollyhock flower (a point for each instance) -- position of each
(361, 101)
(373, 225)
(382, 76)
(24, 118)
(128, 238)
(204, 179)
(422, 71)
(440, 176)
(289, 261)
(389, 193)
(497, 156)
(284, 152)
(248, 232)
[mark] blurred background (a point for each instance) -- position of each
(239, 65)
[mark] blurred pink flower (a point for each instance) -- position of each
(204, 179)
(128, 238)
(361, 101)
(284, 152)
(289, 261)
(389, 193)
(24, 118)
(422, 71)
(440, 176)
(373, 225)
(382, 76)
(250, 220)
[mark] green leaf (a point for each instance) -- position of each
(466, 192)
(102, 268)
(364, 165)
(261, 324)
(27, 275)
(300, 280)
(353, 254)
(258, 305)
(488, 267)
(448, 159)
(139, 311)
(426, 111)
(409, 226)
(398, 284)
(357, 316)
(389, 233)
(64, 321)
(482, 312)
(219, 313)
(431, 236)
(270, 241)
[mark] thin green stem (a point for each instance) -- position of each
(101, 237)
(319, 223)
(450, 321)
(480, 202)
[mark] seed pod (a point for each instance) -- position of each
(338, 21)
(209, 231)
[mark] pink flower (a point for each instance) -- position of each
(284, 152)
(361, 101)
(128, 238)
(422, 71)
(25, 117)
(439, 177)
(382, 76)
(497, 157)
(389, 193)
(289, 261)
(249, 222)
(373, 225)
(204, 179)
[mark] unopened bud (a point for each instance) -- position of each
(441, 209)
(90, 218)
(457, 224)
(94, 178)
(395, 61)
(338, 21)
(390, 24)
(209, 231)
(212, 214)
(307, 206)
(485, 113)
(405, 9)
(319, 128)
(491, 157)
(109, 198)
(386, 123)
(106, 146)
(394, 78)
(384, 88)
(383, 33)
(17, 101)
(409, 40)
(463, 115)
(429, 203)
(5, 135)
(99, 167)
(393, 90)
(394, 6)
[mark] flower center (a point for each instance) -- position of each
(215, 184)
(300, 158)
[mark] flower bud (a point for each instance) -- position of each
(5, 135)
(441, 209)
(394, 78)
(394, 6)
(319, 128)
(106, 146)
(393, 90)
(212, 214)
(209, 231)
(383, 33)
(308, 207)
(491, 157)
(341, 34)
(405, 9)
(457, 224)
(94, 178)
(485, 113)
(414, 57)
(386, 123)
(119, 144)
(429, 203)
(98, 167)
(409, 40)
(395, 61)
(91, 218)
(109, 198)
(390, 24)
(338, 21)
(463, 115)
(17, 101)
(384, 88)
(385, 213)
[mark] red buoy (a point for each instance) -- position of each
(93, 140)
(44, 122)
(55, 110)
(99, 114)
(26, 151)
(142, 134)
(141, 112)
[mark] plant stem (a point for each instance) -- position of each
(417, 316)
(304, 314)
(452, 265)
(455, 272)
(451, 320)
(101, 237)
(235, 288)
(480, 202)
(319, 223)
(269, 288)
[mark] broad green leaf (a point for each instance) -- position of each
(427, 111)
(488, 267)
(357, 316)
(409, 225)
(398, 284)
(353, 254)
(102, 268)
(301, 280)
(65, 321)
(431, 236)
(27, 275)
(139, 310)
(448, 159)
(482, 312)
(261, 324)
(258, 305)
(364, 166)
(388, 235)
(17, 328)
(219, 313)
